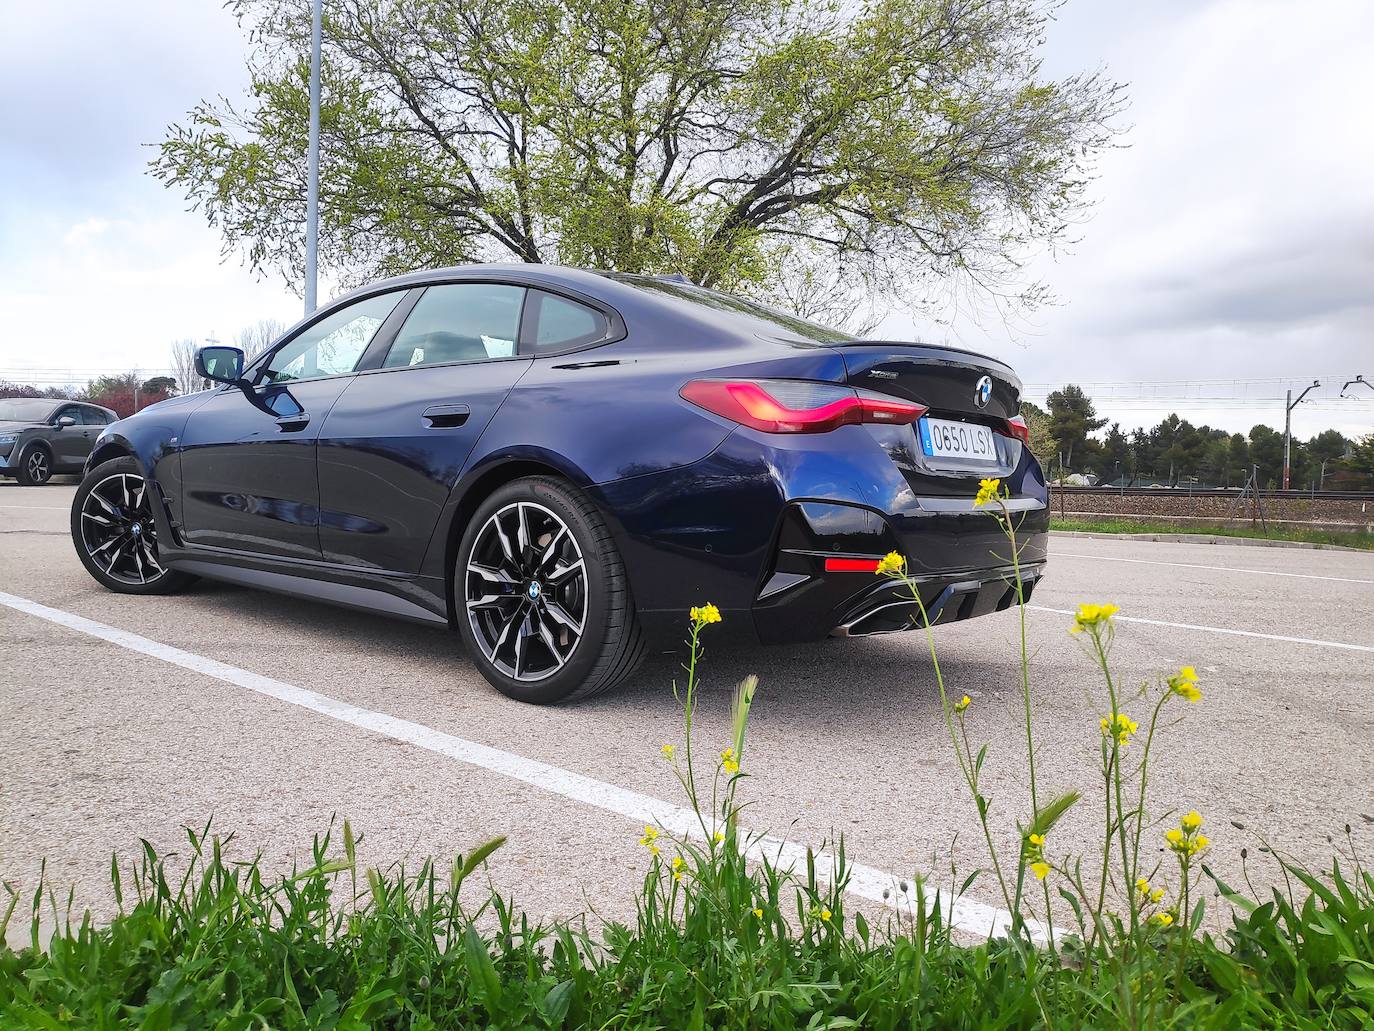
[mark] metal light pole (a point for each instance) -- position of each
(312, 196)
(1288, 427)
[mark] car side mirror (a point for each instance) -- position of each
(65, 421)
(220, 364)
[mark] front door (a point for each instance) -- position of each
(248, 454)
(395, 442)
(69, 443)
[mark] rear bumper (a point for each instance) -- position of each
(958, 559)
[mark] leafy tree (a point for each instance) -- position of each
(1038, 422)
(1072, 418)
(159, 385)
(124, 393)
(1266, 452)
(1360, 461)
(883, 146)
(1115, 458)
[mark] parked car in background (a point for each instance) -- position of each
(554, 462)
(40, 436)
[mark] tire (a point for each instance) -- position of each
(528, 586)
(115, 534)
(35, 466)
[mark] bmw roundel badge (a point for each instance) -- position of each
(982, 393)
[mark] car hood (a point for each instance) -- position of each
(15, 427)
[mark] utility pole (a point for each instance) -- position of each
(312, 196)
(1288, 427)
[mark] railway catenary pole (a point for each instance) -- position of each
(1288, 427)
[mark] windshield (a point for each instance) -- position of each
(775, 320)
(26, 409)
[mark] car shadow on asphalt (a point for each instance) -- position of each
(836, 678)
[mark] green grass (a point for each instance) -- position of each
(212, 943)
(1107, 524)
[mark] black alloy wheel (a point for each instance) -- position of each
(35, 466)
(115, 533)
(542, 597)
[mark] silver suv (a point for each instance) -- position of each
(40, 436)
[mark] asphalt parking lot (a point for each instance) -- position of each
(273, 714)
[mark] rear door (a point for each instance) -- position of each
(248, 455)
(395, 442)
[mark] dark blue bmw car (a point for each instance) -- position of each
(558, 462)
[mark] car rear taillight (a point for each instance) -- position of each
(797, 406)
(1016, 427)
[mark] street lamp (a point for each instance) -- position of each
(1288, 427)
(312, 192)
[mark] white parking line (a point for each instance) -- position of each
(1222, 630)
(1197, 565)
(866, 882)
(40, 508)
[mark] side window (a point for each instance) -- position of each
(66, 411)
(92, 417)
(333, 345)
(459, 322)
(556, 323)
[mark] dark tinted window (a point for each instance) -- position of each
(459, 322)
(92, 416)
(772, 319)
(68, 411)
(333, 345)
(554, 323)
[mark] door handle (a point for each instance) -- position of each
(444, 417)
(290, 423)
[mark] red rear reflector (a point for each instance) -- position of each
(851, 565)
(751, 403)
(1016, 427)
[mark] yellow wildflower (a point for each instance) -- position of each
(677, 868)
(758, 912)
(1121, 727)
(1037, 840)
(1192, 821)
(1163, 919)
(987, 491)
(1092, 615)
(1040, 869)
(962, 704)
(719, 837)
(728, 761)
(892, 562)
(648, 840)
(668, 751)
(1173, 836)
(1142, 886)
(825, 914)
(703, 614)
(1184, 684)
(1156, 895)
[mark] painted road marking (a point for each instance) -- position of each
(1222, 630)
(866, 882)
(39, 508)
(1197, 565)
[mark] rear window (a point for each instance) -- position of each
(557, 324)
(771, 319)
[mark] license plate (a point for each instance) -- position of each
(966, 441)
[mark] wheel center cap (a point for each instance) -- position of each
(136, 529)
(534, 590)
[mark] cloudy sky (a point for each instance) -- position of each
(1230, 255)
